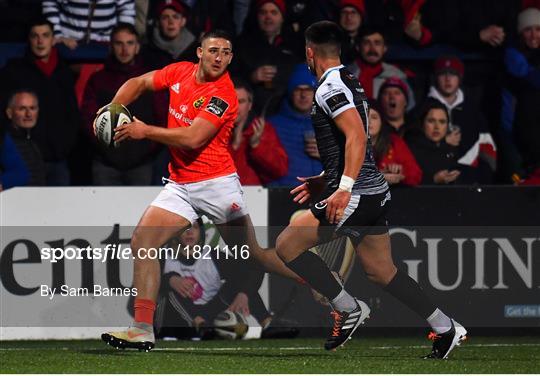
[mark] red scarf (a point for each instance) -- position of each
(367, 75)
(48, 67)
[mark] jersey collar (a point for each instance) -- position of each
(327, 72)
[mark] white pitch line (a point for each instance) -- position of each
(173, 348)
(465, 345)
(210, 349)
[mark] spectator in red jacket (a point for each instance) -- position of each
(392, 154)
(255, 146)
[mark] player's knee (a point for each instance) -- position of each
(380, 274)
(281, 246)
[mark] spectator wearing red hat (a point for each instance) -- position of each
(468, 129)
(351, 18)
(169, 40)
(371, 70)
(266, 56)
(520, 113)
(392, 154)
(393, 98)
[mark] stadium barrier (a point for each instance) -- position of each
(37, 222)
(475, 250)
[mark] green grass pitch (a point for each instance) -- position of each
(361, 355)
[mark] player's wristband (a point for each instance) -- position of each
(346, 183)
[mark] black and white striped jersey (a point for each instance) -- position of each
(70, 17)
(337, 91)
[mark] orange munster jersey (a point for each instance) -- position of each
(214, 101)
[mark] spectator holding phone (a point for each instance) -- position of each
(437, 159)
(468, 130)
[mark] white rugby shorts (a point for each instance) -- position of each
(220, 199)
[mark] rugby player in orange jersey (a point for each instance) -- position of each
(203, 179)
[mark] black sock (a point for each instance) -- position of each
(409, 292)
(316, 273)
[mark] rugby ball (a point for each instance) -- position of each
(108, 118)
(230, 325)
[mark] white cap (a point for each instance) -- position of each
(528, 17)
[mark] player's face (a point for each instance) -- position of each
(350, 19)
(372, 48)
(270, 19)
(375, 122)
(244, 105)
(171, 23)
(23, 113)
(41, 41)
(531, 36)
(302, 98)
(394, 103)
(215, 55)
(435, 125)
(447, 83)
(191, 236)
(125, 47)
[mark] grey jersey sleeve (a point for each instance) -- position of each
(333, 96)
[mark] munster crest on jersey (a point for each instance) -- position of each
(199, 102)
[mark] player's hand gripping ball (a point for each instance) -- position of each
(108, 118)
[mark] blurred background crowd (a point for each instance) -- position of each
(454, 86)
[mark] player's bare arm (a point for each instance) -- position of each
(133, 88)
(350, 123)
(192, 137)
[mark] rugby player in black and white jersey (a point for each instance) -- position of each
(353, 203)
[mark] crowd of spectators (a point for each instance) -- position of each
(465, 114)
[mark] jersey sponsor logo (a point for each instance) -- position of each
(337, 101)
(332, 92)
(183, 108)
(180, 116)
(217, 106)
(176, 88)
(199, 102)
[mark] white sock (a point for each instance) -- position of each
(440, 323)
(344, 302)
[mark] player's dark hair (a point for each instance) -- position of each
(39, 21)
(240, 83)
(325, 37)
(123, 26)
(218, 33)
